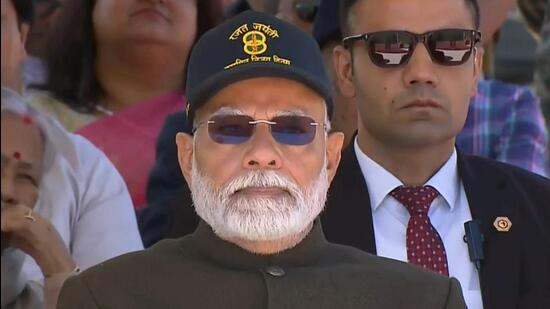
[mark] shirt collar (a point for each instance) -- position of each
(381, 182)
(229, 255)
(446, 181)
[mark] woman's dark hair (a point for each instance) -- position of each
(71, 52)
(24, 9)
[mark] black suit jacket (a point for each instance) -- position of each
(516, 269)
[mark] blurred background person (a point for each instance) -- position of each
(34, 67)
(537, 16)
(63, 205)
(17, 17)
(116, 70)
(22, 230)
(524, 30)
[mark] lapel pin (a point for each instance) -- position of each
(502, 224)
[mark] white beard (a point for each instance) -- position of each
(259, 218)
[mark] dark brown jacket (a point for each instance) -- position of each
(203, 271)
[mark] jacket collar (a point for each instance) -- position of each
(229, 255)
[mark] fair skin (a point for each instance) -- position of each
(142, 48)
(262, 98)
(22, 156)
(14, 36)
(409, 140)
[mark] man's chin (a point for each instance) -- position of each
(248, 227)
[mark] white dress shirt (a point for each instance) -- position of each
(448, 213)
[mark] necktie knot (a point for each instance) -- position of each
(417, 199)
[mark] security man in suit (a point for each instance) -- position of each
(259, 164)
(403, 190)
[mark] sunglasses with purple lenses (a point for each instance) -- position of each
(447, 47)
(285, 129)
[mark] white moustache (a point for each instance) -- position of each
(260, 179)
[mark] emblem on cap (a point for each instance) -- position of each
(502, 224)
(255, 44)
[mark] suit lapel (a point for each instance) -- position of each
(347, 218)
(486, 191)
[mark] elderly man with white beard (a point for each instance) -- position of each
(259, 163)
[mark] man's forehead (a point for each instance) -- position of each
(262, 109)
(228, 110)
(412, 15)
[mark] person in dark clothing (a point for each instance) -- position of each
(404, 190)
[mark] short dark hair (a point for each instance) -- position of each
(24, 9)
(345, 7)
(71, 54)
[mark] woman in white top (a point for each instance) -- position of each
(81, 195)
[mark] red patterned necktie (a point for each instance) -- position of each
(424, 245)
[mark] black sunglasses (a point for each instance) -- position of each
(389, 49)
(285, 129)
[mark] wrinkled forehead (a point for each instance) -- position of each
(265, 96)
(227, 110)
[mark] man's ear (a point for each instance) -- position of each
(343, 68)
(335, 141)
(478, 67)
(184, 142)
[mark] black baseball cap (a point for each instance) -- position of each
(252, 45)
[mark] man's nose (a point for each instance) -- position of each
(263, 150)
(420, 69)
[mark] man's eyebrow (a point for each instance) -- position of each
(228, 111)
(236, 111)
(292, 112)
